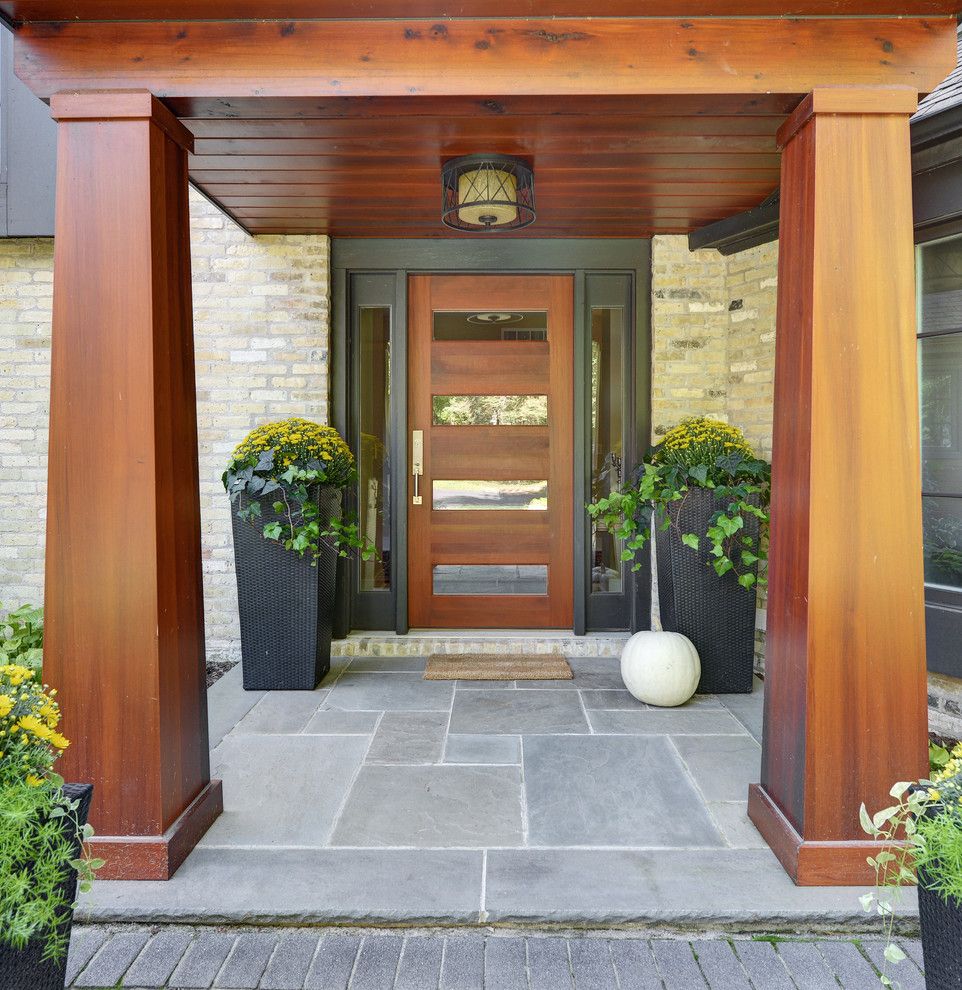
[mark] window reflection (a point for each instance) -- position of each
(607, 440)
(374, 469)
(490, 494)
(494, 325)
(490, 410)
(490, 579)
(942, 540)
(940, 393)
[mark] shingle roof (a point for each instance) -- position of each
(947, 95)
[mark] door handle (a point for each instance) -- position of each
(417, 463)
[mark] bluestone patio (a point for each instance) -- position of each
(384, 798)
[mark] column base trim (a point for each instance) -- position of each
(157, 857)
(810, 863)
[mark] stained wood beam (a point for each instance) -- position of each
(124, 631)
(482, 56)
(845, 686)
(125, 10)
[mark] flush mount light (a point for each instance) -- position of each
(487, 193)
(499, 319)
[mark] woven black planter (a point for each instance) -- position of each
(716, 613)
(941, 939)
(26, 969)
(286, 605)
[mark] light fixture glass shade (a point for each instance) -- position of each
(487, 193)
(486, 196)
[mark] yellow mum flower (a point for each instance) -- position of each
(61, 742)
(6, 705)
(33, 725)
(33, 780)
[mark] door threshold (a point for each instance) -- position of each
(422, 642)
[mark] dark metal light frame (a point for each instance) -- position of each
(489, 172)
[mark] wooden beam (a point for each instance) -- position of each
(126, 10)
(845, 687)
(476, 57)
(124, 637)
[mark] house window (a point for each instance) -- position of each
(940, 384)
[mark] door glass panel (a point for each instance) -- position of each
(490, 410)
(490, 579)
(607, 440)
(489, 494)
(374, 468)
(942, 540)
(491, 325)
(940, 360)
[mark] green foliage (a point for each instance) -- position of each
(287, 462)
(698, 454)
(39, 831)
(21, 636)
(39, 825)
(921, 831)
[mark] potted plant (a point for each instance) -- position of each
(285, 481)
(708, 494)
(923, 831)
(43, 828)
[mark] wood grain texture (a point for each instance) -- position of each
(445, 536)
(124, 606)
(125, 10)
(845, 705)
(481, 56)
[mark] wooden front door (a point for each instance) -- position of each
(490, 414)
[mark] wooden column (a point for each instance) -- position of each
(845, 690)
(124, 602)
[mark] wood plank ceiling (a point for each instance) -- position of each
(604, 167)
(624, 165)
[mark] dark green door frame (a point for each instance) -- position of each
(393, 260)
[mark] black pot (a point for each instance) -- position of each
(941, 939)
(716, 613)
(25, 968)
(286, 604)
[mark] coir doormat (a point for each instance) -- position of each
(497, 667)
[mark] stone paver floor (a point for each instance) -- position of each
(296, 959)
(384, 799)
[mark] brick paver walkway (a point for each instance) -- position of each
(304, 959)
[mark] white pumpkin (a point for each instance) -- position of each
(660, 668)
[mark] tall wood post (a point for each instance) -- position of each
(124, 638)
(845, 690)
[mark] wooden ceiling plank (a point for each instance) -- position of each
(532, 126)
(474, 57)
(484, 107)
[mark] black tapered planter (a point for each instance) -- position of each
(941, 939)
(26, 969)
(286, 605)
(716, 613)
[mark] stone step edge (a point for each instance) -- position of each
(420, 645)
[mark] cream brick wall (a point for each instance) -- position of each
(713, 337)
(261, 319)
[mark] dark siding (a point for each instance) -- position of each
(28, 144)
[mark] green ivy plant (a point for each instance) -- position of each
(921, 831)
(21, 636)
(699, 453)
(285, 463)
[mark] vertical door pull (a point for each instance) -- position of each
(417, 462)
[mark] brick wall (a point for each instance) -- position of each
(261, 344)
